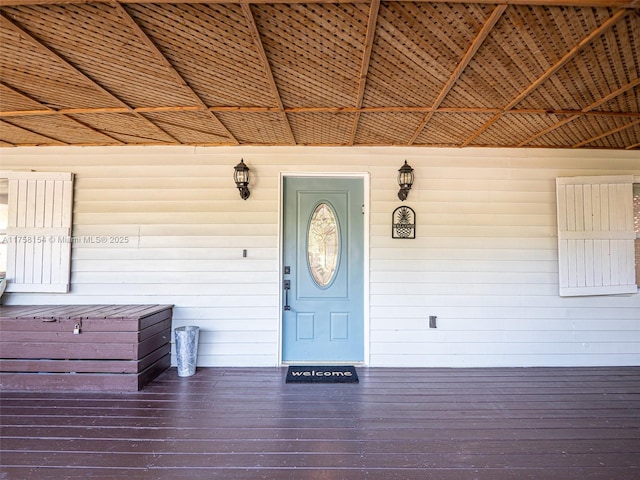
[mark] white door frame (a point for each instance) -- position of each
(366, 186)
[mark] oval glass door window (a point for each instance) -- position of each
(323, 244)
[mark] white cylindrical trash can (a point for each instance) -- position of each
(187, 349)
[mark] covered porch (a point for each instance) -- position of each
(409, 423)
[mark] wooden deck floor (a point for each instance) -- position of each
(460, 424)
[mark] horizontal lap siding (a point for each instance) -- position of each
(165, 224)
(484, 260)
(485, 263)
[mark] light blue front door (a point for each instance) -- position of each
(323, 277)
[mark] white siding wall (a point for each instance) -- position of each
(484, 260)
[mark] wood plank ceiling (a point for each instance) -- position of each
(538, 73)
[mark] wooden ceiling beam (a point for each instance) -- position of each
(223, 139)
(549, 129)
(597, 113)
(464, 62)
(222, 109)
(612, 95)
(364, 48)
(548, 3)
(586, 110)
(482, 129)
(364, 66)
(170, 68)
(54, 141)
(79, 111)
(57, 112)
(62, 111)
(606, 134)
(266, 67)
(597, 32)
(6, 23)
(610, 22)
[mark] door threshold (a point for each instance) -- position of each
(321, 363)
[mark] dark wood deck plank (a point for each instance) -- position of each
(330, 460)
(227, 446)
(285, 473)
(243, 423)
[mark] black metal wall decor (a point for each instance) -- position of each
(403, 223)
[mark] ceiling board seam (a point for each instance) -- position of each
(597, 32)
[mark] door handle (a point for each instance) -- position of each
(287, 286)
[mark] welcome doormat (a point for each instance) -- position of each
(322, 374)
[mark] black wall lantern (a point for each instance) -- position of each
(405, 180)
(241, 177)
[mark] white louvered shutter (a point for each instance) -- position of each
(39, 231)
(596, 235)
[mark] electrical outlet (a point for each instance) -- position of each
(432, 321)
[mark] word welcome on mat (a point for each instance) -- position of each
(321, 374)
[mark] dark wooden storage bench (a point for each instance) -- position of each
(83, 347)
